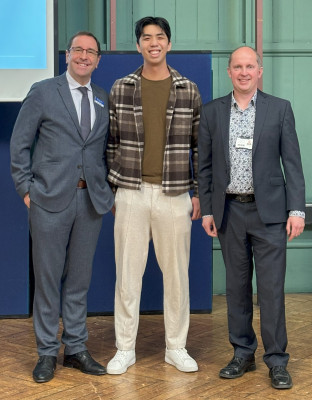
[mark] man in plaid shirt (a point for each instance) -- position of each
(154, 118)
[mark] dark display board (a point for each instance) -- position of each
(14, 259)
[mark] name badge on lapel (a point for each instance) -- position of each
(242, 143)
(99, 102)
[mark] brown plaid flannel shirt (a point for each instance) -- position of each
(126, 140)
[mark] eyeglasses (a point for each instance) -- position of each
(80, 50)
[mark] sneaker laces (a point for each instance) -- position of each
(182, 353)
(121, 355)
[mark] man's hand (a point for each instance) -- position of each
(196, 208)
(294, 227)
(27, 200)
(209, 226)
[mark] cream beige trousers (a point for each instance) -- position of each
(142, 215)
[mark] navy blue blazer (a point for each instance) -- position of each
(276, 163)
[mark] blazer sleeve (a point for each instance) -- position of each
(24, 132)
(113, 138)
(291, 160)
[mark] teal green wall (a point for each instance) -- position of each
(221, 26)
(82, 15)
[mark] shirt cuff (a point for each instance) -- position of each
(297, 213)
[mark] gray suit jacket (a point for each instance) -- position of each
(48, 151)
(277, 189)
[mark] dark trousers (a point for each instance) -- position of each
(246, 241)
(63, 248)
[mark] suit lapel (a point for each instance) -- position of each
(225, 112)
(261, 112)
(68, 100)
(98, 110)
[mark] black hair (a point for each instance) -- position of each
(83, 33)
(159, 21)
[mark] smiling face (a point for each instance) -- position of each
(244, 71)
(81, 66)
(154, 45)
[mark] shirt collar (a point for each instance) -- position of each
(252, 100)
(73, 84)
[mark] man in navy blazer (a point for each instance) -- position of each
(252, 195)
(59, 170)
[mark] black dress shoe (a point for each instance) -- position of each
(44, 370)
(280, 377)
(237, 367)
(84, 362)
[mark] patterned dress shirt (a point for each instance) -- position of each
(242, 124)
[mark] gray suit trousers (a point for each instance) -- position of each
(64, 244)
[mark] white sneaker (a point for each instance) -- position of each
(181, 360)
(122, 360)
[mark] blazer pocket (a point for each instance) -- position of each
(277, 181)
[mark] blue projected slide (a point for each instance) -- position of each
(23, 25)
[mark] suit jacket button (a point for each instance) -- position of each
(79, 166)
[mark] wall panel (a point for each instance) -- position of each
(282, 21)
(208, 21)
(167, 8)
(76, 21)
(282, 77)
(231, 28)
(82, 15)
(97, 21)
(302, 109)
(302, 12)
(186, 23)
(124, 31)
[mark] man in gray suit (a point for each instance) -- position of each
(58, 166)
(252, 203)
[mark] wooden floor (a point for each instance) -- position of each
(151, 377)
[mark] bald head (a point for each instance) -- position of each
(247, 49)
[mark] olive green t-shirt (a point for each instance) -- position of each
(155, 96)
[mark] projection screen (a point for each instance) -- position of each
(27, 51)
